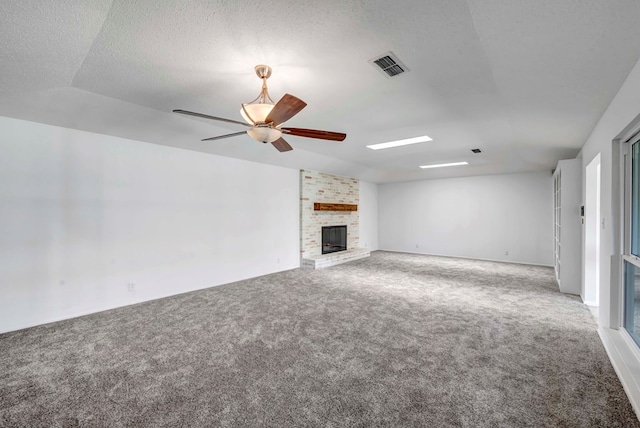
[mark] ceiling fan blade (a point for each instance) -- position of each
(314, 133)
(285, 109)
(206, 116)
(282, 145)
(224, 136)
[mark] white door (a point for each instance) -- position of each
(592, 233)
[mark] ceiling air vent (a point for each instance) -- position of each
(476, 150)
(389, 64)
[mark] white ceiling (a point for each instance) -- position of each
(525, 81)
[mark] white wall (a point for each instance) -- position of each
(624, 108)
(478, 217)
(591, 234)
(82, 215)
(368, 211)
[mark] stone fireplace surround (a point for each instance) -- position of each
(327, 188)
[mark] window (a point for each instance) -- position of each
(635, 193)
(631, 256)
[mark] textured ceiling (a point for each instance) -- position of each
(524, 80)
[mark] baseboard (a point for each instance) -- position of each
(122, 304)
(468, 258)
(72, 315)
(625, 359)
(68, 316)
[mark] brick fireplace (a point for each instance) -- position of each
(328, 191)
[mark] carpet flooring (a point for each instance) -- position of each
(395, 340)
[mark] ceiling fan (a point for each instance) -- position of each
(264, 118)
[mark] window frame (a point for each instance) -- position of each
(624, 148)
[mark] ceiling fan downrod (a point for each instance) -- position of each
(263, 72)
(258, 109)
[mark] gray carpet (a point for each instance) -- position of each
(394, 340)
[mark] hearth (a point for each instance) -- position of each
(334, 238)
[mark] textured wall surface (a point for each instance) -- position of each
(505, 217)
(90, 222)
(368, 215)
(321, 187)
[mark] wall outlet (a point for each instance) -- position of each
(62, 282)
(416, 245)
(506, 252)
(278, 260)
(131, 287)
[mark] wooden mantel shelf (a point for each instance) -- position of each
(322, 206)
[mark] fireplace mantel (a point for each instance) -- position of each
(323, 206)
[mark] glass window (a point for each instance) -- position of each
(632, 300)
(635, 199)
(631, 256)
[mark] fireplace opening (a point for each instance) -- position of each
(334, 238)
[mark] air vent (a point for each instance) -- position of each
(476, 150)
(389, 64)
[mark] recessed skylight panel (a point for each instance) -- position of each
(398, 143)
(440, 165)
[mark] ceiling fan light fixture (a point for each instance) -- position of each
(264, 134)
(258, 112)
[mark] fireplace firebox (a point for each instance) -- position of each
(334, 238)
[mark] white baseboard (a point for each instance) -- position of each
(625, 358)
(467, 258)
(96, 310)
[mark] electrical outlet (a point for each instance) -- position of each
(416, 245)
(278, 260)
(506, 252)
(131, 287)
